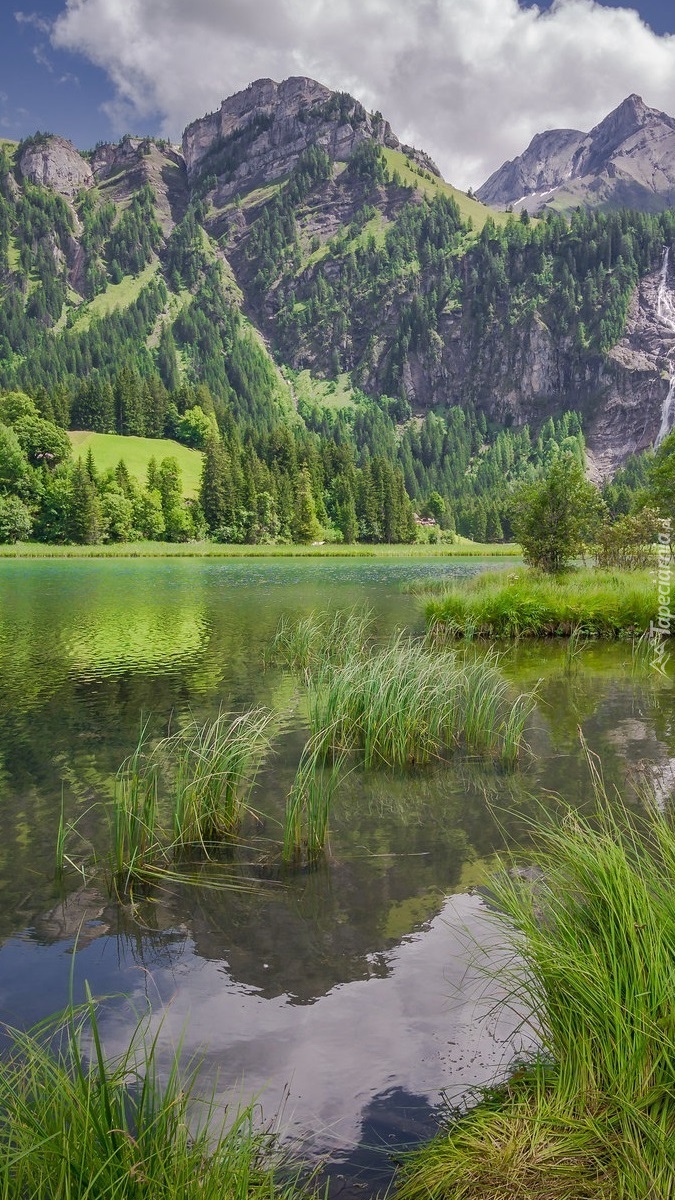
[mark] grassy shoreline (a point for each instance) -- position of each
(75, 1124)
(460, 549)
(591, 924)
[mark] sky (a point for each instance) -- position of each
(470, 81)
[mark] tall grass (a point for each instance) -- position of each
(76, 1126)
(305, 644)
(595, 973)
(526, 603)
(573, 650)
(207, 773)
(136, 840)
(404, 704)
(308, 805)
(215, 768)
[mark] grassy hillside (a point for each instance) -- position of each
(432, 186)
(109, 448)
(116, 296)
(328, 393)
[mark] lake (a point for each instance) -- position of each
(351, 999)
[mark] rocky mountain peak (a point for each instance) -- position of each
(610, 134)
(627, 160)
(258, 135)
(627, 116)
(547, 162)
(55, 163)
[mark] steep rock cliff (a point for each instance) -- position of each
(53, 162)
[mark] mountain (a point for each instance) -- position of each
(259, 134)
(315, 287)
(627, 161)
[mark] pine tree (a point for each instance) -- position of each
(124, 480)
(91, 467)
(305, 527)
(213, 491)
(129, 403)
(152, 477)
(85, 521)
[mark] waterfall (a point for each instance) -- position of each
(665, 309)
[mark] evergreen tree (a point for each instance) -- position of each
(85, 522)
(305, 527)
(152, 477)
(213, 494)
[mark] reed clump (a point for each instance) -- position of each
(303, 645)
(309, 804)
(75, 1125)
(188, 792)
(136, 836)
(594, 939)
(527, 603)
(405, 704)
(215, 768)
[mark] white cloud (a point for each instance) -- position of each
(470, 81)
(42, 59)
(34, 19)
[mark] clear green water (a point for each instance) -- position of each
(354, 993)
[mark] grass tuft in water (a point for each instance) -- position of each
(321, 636)
(211, 770)
(215, 768)
(309, 804)
(594, 940)
(136, 839)
(574, 649)
(405, 704)
(77, 1126)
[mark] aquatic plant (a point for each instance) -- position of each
(207, 773)
(574, 649)
(309, 803)
(305, 644)
(593, 934)
(526, 603)
(215, 767)
(62, 855)
(75, 1125)
(404, 704)
(135, 836)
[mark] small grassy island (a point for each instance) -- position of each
(529, 603)
(557, 519)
